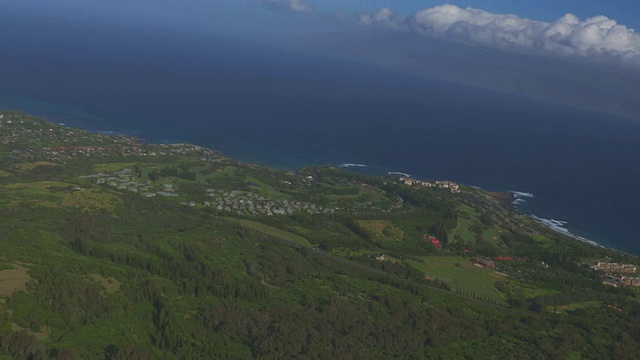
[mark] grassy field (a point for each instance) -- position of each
(221, 174)
(271, 231)
(37, 193)
(28, 166)
(91, 199)
(461, 274)
(13, 280)
(543, 240)
(362, 197)
(111, 285)
(492, 235)
(466, 217)
(533, 292)
(266, 190)
(382, 230)
(574, 306)
(55, 194)
(106, 168)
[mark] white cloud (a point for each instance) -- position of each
(383, 18)
(595, 37)
(297, 6)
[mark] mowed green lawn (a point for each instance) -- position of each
(461, 274)
(492, 235)
(467, 216)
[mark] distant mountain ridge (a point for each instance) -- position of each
(595, 86)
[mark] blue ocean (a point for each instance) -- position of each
(286, 109)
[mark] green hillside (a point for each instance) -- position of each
(111, 248)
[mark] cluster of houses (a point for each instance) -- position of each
(613, 270)
(251, 203)
(445, 184)
(64, 153)
(621, 281)
(18, 129)
(205, 154)
(232, 201)
(124, 180)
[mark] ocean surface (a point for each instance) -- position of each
(285, 109)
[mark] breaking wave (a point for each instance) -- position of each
(560, 227)
(398, 173)
(520, 197)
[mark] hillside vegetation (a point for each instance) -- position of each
(112, 248)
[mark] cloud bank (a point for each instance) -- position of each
(384, 18)
(296, 6)
(597, 37)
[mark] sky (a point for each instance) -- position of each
(624, 11)
(591, 30)
(171, 11)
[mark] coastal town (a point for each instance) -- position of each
(440, 184)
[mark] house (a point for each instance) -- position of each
(434, 240)
(484, 262)
(630, 281)
(611, 281)
(377, 257)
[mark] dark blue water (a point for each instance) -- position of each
(286, 109)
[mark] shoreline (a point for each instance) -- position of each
(508, 197)
(559, 226)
